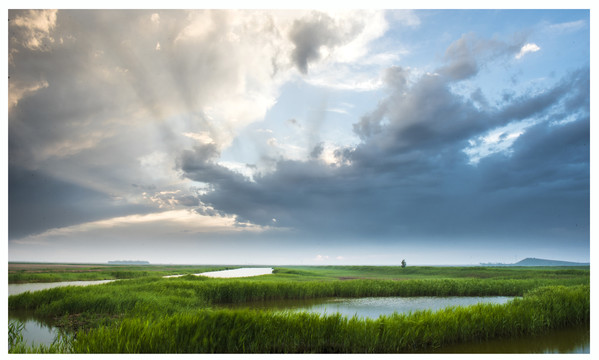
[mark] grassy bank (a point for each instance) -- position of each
(245, 331)
(19, 273)
(168, 296)
(184, 311)
(28, 273)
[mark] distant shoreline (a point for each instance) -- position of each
(129, 262)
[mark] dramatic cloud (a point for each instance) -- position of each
(334, 136)
(97, 89)
(417, 158)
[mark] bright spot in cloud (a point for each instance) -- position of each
(166, 222)
(239, 168)
(527, 48)
(498, 140)
(202, 137)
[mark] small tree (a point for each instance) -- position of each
(403, 263)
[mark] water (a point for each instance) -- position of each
(563, 341)
(371, 307)
(14, 289)
(235, 273)
(37, 331)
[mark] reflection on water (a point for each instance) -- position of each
(372, 307)
(234, 273)
(14, 289)
(565, 341)
(36, 331)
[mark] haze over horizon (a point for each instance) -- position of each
(442, 137)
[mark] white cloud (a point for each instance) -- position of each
(321, 257)
(37, 25)
(527, 48)
(567, 26)
(406, 17)
(345, 77)
(352, 65)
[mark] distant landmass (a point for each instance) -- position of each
(129, 262)
(539, 262)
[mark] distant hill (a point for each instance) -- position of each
(544, 262)
(129, 262)
(538, 262)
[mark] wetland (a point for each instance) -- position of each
(298, 309)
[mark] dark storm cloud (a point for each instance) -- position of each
(545, 158)
(543, 188)
(37, 202)
(427, 115)
(411, 176)
(99, 100)
(314, 31)
(317, 151)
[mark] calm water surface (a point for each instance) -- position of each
(234, 273)
(14, 289)
(371, 307)
(564, 341)
(36, 331)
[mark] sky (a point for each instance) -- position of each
(299, 136)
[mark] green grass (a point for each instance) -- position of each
(246, 331)
(429, 272)
(296, 273)
(184, 311)
(168, 296)
(51, 273)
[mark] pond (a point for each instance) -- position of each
(14, 289)
(370, 307)
(234, 273)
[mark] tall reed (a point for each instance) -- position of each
(246, 331)
(168, 296)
